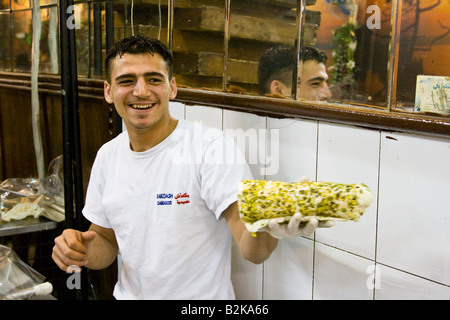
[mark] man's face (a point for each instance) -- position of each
(140, 89)
(313, 81)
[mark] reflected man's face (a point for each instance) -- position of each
(313, 82)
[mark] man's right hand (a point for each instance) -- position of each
(71, 248)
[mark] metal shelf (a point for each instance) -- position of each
(26, 225)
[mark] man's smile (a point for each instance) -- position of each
(142, 106)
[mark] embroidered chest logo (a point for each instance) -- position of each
(166, 199)
(182, 198)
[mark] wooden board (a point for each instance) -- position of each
(207, 18)
(211, 65)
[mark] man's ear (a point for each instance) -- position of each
(277, 87)
(107, 92)
(173, 88)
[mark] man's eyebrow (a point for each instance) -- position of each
(316, 79)
(154, 74)
(132, 75)
(124, 76)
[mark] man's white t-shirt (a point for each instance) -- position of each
(165, 207)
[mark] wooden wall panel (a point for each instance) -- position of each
(18, 159)
(17, 155)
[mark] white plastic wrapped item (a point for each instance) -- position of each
(18, 281)
(21, 211)
(20, 198)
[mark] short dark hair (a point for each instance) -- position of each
(137, 45)
(277, 63)
(310, 53)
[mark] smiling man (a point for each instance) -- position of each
(313, 83)
(170, 219)
(275, 73)
(141, 96)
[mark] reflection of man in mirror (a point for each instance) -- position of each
(275, 73)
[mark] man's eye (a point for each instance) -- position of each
(154, 80)
(124, 82)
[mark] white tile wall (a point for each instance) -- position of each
(395, 285)
(294, 142)
(177, 110)
(400, 247)
(341, 275)
(245, 128)
(248, 131)
(414, 209)
(247, 277)
(288, 272)
(209, 117)
(350, 155)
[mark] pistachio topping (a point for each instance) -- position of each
(262, 200)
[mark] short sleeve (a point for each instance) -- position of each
(223, 166)
(93, 209)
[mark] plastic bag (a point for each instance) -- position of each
(20, 198)
(18, 281)
(53, 184)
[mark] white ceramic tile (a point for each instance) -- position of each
(350, 155)
(288, 271)
(245, 128)
(414, 205)
(292, 148)
(397, 285)
(176, 109)
(341, 275)
(246, 277)
(248, 131)
(210, 117)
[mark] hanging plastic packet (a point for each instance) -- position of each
(20, 198)
(18, 281)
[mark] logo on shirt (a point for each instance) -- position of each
(182, 198)
(166, 199)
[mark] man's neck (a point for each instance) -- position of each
(144, 140)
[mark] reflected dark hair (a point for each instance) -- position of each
(137, 45)
(277, 63)
(310, 53)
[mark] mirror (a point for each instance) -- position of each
(388, 54)
(256, 28)
(422, 46)
(198, 43)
